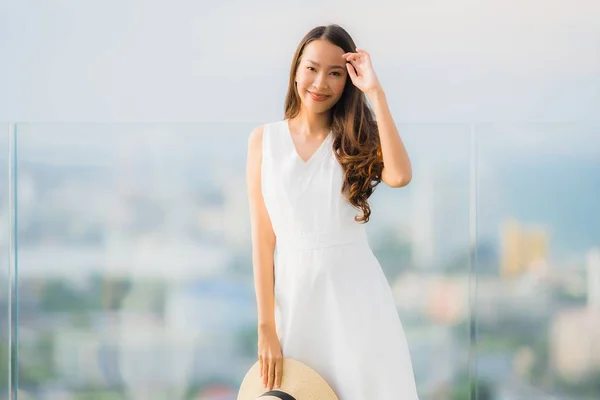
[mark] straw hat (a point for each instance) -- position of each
(299, 382)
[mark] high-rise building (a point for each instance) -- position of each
(423, 218)
(575, 343)
(522, 249)
(593, 278)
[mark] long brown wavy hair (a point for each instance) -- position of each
(356, 142)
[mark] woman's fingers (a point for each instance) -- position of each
(265, 371)
(278, 373)
(271, 373)
(351, 56)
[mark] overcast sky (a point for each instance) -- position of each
(440, 61)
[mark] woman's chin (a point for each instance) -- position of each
(316, 107)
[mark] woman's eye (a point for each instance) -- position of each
(310, 68)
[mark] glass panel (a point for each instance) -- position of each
(135, 276)
(538, 273)
(5, 273)
(421, 236)
(135, 263)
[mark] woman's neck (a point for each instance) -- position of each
(311, 124)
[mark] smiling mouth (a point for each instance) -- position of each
(318, 97)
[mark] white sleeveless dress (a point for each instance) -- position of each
(334, 307)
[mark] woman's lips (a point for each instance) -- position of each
(318, 97)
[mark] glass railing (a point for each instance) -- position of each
(6, 267)
(538, 225)
(134, 276)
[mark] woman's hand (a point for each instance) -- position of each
(361, 71)
(270, 357)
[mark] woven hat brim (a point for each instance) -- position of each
(298, 380)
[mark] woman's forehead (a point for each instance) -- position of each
(322, 51)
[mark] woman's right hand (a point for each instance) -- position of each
(270, 357)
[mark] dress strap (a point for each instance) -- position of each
(273, 145)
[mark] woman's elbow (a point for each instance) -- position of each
(397, 180)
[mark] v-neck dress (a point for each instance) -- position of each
(334, 308)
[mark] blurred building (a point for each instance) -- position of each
(575, 334)
(526, 303)
(441, 299)
(522, 249)
(200, 338)
(228, 219)
(593, 279)
(422, 219)
(439, 215)
(575, 343)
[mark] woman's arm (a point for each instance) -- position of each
(397, 170)
(263, 247)
(263, 238)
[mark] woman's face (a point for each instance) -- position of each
(321, 76)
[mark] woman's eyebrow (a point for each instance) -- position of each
(318, 65)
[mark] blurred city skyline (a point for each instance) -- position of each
(142, 232)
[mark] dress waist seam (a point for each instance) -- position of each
(320, 240)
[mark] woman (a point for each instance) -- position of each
(322, 296)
